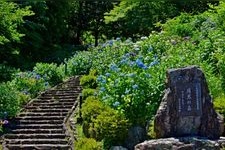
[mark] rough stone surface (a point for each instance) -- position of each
(183, 143)
(186, 108)
(136, 135)
(118, 148)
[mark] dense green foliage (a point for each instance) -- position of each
(88, 143)
(103, 123)
(45, 31)
(11, 18)
(9, 101)
(126, 83)
(51, 72)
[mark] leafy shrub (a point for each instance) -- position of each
(111, 126)
(9, 102)
(103, 123)
(91, 108)
(151, 132)
(88, 144)
(29, 83)
(6, 72)
(50, 72)
(23, 98)
(88, 92)
(219, 105)
(180, 25)
(132, 86)
(93, 72)
(80, 63)
(88, 81)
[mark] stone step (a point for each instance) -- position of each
(58, 97)
(58, 90)
(40, 121)
(60, 94)
(32, 131)
(34, 136)
(54, 103)
(48, 107)
(49, 110)
(54, 100)
(43, 114)
(36, 141)
(41, 118)
(69, 87)
(39, 126)
(38, 147)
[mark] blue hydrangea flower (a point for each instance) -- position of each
(116, 104)
(136, 48)
(100, 78)
(155, 62)
(118, 39)
(107, 74)
(114, 67)
(127, 91)
(132, 63)
(110, 42)
(131, 75)
(144, 38)
(135, 86)
(37, 77)
(147, 75)
(123, 61)
(140, 64)
(127, 55)
(150, 48)
(102, 89)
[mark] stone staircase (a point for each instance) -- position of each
(42, 124)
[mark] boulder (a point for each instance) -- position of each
(182, 143)
(186, 108)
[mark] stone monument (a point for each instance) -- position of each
(186, 109)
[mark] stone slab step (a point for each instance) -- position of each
(54, 103)
(49, 110)
(39, 126)
(41, 118)
(40, 121)
(59, 97)
(32, 131)
(54, 100)
(36, 141)
(60, 90)
(34, 136)
(48, 107)
(38, 147)
(60, 94)
(43, 114)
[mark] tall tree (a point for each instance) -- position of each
(138, 18)
(46, 31)
(88, 16)
(11, 18)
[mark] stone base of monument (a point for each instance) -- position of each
(182, 143)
